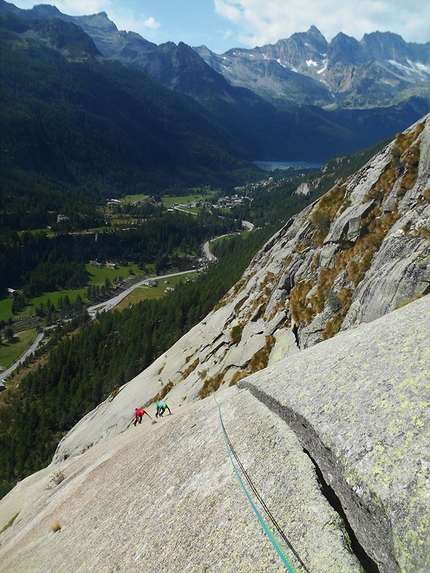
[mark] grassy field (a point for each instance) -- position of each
(11, 351)
(30, 309)
(97, 276)
(118, 220)
(135, 198)
(191, 210)
(6, 308)
(170, 201)
(183, 200)
(145, 292)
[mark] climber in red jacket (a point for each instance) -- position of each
(138, 415)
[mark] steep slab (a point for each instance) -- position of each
(359, 404)
(352, 411)
(164, 497)
(351, 257)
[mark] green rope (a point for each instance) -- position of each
(266, 529)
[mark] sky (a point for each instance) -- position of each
(224, 24)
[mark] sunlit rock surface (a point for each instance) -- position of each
(357, 405)
(302, 287)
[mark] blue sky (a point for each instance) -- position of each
(225, 24)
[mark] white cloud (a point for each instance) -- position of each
(260, 22)
(124, 18)
(81, 7)
(151, 23)
(228, 9)
(130, 21)
(71, 7)
(227, 34)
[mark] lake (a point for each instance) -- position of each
(271, 165)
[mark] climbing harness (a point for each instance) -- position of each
(232, 454)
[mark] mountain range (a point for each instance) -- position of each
(300, 99)
(344, 73)
(78, 120)
(299, 431)
(303, 69)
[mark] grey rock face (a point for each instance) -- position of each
(165, 497)
(352, 411)
(330, 268)
(359, 404)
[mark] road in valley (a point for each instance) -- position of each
(207, 251)
(112, 302)
(109, 304)
(92, 311)
(37, 341)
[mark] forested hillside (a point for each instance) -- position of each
(100, 356)
(83, 369)
(56, 86)
(30, 261)
(76, 132)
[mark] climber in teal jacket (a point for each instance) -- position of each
(161, 408)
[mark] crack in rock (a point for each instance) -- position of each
(369, 522)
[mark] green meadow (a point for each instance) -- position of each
(11, 351)
(96, 276)
(99, 276)
(145, 292)
(135, 198)
(183, 200)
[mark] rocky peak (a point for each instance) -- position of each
(385, 46)
(381, 63)
(110, 41)
(301, 70)
(66, 37)
(346, 50)
(43, 11)
(299, 52)
(55, 33)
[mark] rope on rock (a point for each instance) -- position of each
(233, 454)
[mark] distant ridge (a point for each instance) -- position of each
(344, 73)
(301, 99)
